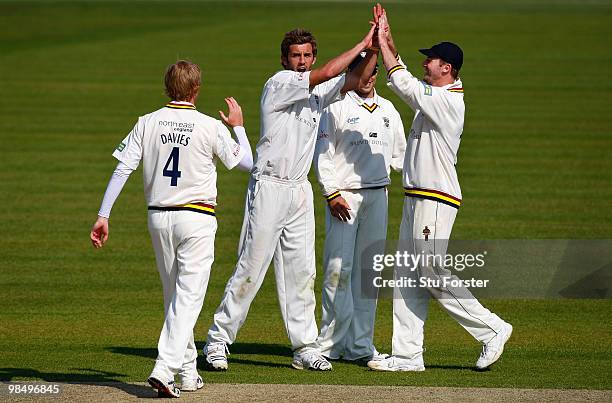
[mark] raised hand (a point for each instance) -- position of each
(384, 31)
(368, 40)
(377, 11)
(234, 117)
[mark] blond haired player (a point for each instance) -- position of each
(178, 147)
(279, 219)
(360, 139)
(432, 198)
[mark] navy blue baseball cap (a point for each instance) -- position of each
(447, 51)
(358, 60)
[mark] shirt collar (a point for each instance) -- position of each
(370, 108)
(180, 105)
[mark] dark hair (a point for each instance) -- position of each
(298, 36)
(183, 80)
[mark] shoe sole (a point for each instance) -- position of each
(162, 389)
(499, 353)
(300, 366)
(210, 367)
(404, 369)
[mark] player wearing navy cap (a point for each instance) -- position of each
(433, 197)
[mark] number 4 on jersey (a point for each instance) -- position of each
(174, 173)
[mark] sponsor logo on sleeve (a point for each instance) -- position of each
(427, 89)
(322, 135)
(236, 150)
(121, 146)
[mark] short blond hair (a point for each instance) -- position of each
(183, 80)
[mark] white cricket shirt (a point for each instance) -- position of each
(179, 146)
(431, 154)
(290, 114)
(358, 143)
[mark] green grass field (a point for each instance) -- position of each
(534, 163)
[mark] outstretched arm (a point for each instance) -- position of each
(338, 64)
(387, 46)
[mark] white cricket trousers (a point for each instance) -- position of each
(279, 224)
(347, 323)
(184, 250)
(410, 304)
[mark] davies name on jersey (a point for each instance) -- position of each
(177, 138)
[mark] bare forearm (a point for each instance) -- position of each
(335, 66)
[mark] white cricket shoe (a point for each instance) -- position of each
(376, 356)
(310, 359)
(216, 356)
(397, 364)
(192, 384)
(164, 388)
(492, 350)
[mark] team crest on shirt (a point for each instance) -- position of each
(121, 146)
(386, 121)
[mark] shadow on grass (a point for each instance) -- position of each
(261, 348)
(235, 349)
(146, 352)
(86, 377)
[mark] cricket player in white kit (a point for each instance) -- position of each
(178, 146)
(279, 217)
(360, 139)
(432, 198)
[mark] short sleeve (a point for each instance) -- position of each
(226, 149)
(129, 151)
(285, 88)
(330, 91)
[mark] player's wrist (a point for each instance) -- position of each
(332, 196)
